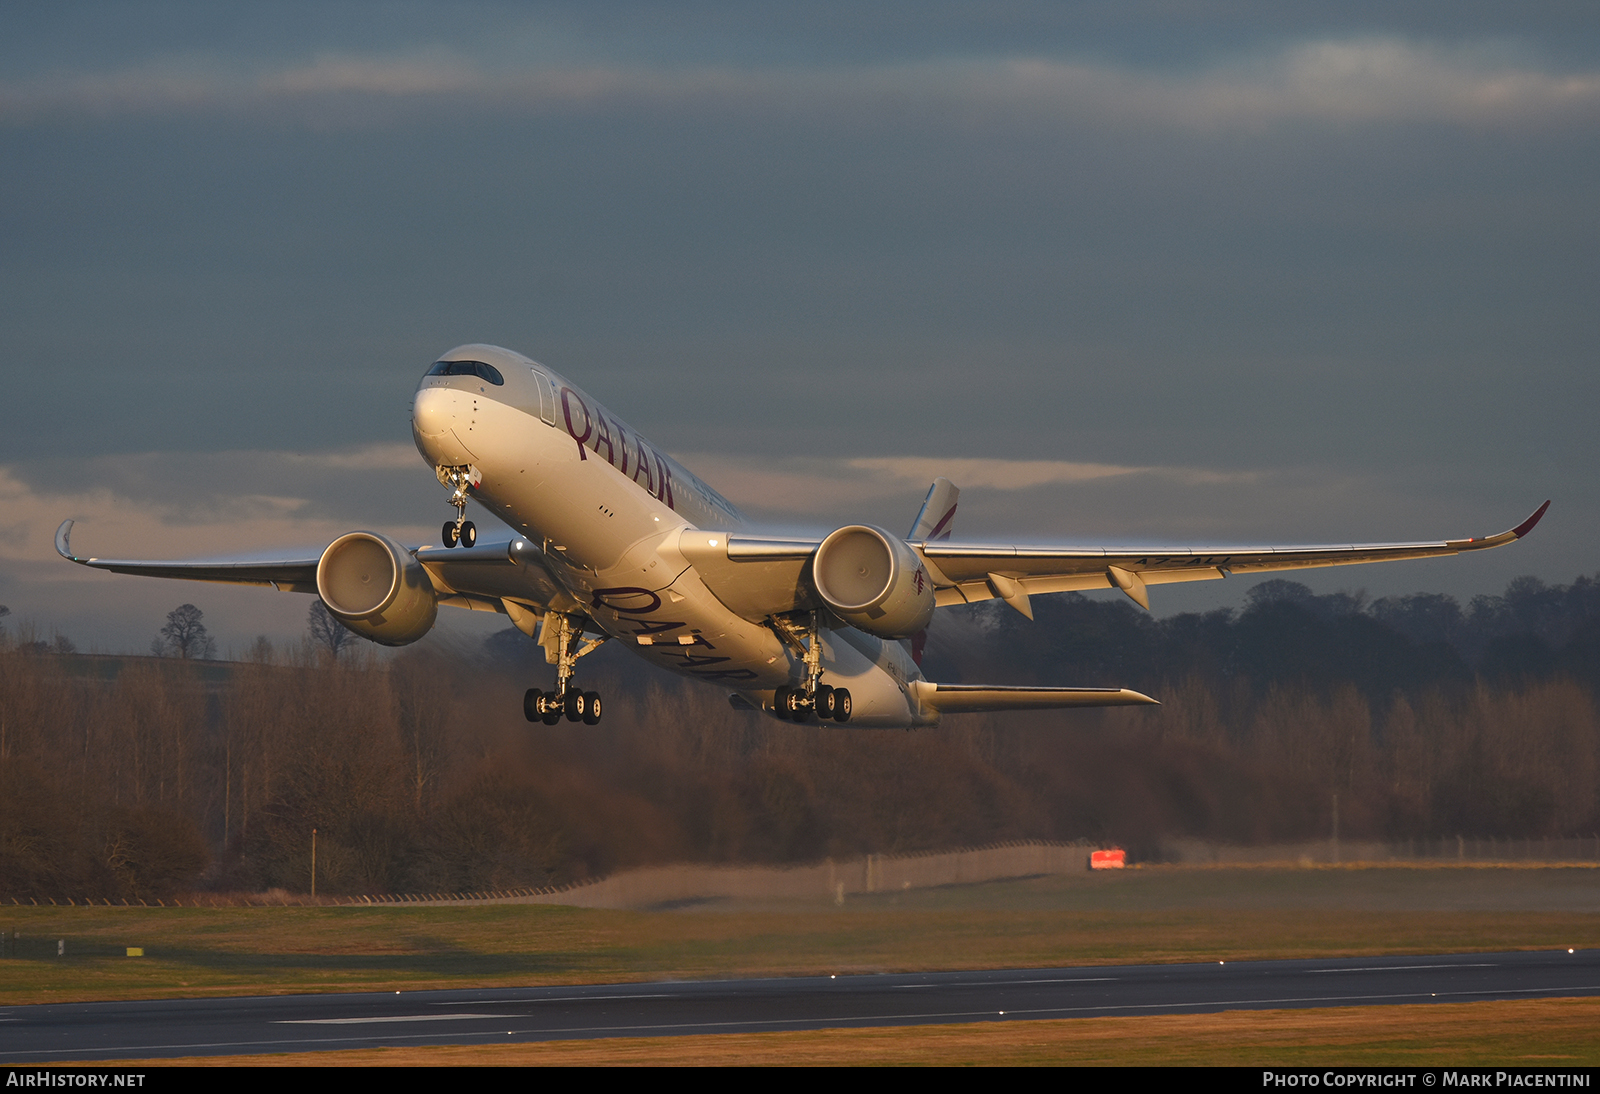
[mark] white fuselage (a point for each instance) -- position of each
(618, 520)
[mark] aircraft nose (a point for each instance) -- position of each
(433, 412)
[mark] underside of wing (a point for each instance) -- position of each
(965, 573)
(509, 577)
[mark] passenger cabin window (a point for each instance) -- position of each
(468, 368)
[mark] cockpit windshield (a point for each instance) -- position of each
(468, 368)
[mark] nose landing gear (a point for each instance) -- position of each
(563, 642)
(461, 481)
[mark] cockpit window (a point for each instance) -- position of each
(468, 368)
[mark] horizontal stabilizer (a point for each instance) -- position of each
(971, 698)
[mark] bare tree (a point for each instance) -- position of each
(185, 636)
(328, 632)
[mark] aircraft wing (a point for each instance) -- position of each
(298, 575)
(965, 573)
(482, 578)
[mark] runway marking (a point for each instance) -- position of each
(1554, 993)
(1071, 980)
(566, 999)
(643, 1030)
(1400, 968)
(392, 1018)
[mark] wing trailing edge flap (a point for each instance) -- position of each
(976, 698)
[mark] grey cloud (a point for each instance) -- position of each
(1329, 80)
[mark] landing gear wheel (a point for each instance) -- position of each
(794, 705)
(841, 704)
(780, 703)
(575, 706)
(552, 711)
(591, 714)
(824, 702)
(469, 534)
(530, 705)
(451, 533)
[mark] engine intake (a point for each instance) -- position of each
(377, 588)
(873, 581)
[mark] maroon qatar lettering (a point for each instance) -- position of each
(651, 470)
(568, 397)
(651, 627)
(602, 436)
(664, 481)
(643, 468)
(622, 443)
(609, 598)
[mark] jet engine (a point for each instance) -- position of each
(873, 581)
(377, 588)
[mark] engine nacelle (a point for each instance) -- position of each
(873, 581)
(377, 588)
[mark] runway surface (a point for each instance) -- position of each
(306, 1023)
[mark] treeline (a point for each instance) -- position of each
(137, 777)
(1285, 635)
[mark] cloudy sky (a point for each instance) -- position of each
(1156, 272)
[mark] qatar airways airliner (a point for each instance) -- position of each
(616, 541)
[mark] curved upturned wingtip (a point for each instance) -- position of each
(63, 541)
(1527, 526)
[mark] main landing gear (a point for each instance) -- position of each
(549, 706)
(563, 642)
(460, 530)
(813, 697)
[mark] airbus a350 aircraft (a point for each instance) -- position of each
(617, 541)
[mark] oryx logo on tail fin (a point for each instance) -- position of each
(937, 514)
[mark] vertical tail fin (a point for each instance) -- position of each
(937, 514)
(934, 520)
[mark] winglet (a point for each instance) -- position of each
(1527, 526)
(1502, 538)
(63, 544)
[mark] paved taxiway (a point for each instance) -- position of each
(306, 1023)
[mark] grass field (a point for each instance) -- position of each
(1156, 915)
(1137, 916)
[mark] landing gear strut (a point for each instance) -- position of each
(813, 697)
(563, 642)
(460, 530)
